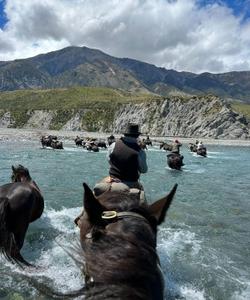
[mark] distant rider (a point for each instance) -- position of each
(176, 147)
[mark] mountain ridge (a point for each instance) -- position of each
(82, 66)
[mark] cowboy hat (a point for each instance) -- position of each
(132, 129)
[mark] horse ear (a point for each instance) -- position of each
(91, 205)
(13, 168)
(159, 208)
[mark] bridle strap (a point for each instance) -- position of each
(112, 214)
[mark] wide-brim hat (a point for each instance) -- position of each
(132, 129)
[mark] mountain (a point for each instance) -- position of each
(81, 66)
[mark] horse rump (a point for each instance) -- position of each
(8, 246)
(175, 161)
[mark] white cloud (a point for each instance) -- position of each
(174, 34)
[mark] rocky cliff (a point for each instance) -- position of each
(196, 116)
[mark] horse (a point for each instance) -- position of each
(175, 161)
(111, 139)
(118, 242)
(166, 147)
(101, 144)
(202, 152)
(46, 141)
(21, 203)
(56, 144)
(148, 142)
(193, 147)
(78, 141)
(91, 146)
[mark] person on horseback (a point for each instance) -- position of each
(127, 161)
(176, 147)
(200, 145)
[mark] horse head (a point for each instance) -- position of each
(20, 174)
(118, 237)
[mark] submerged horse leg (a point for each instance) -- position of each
(19, 234)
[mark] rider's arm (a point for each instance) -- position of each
(110, 150)
(142, 161)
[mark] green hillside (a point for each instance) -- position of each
(70, 98)
(242, 108)
(66, 102)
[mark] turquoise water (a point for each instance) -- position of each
(204, 244)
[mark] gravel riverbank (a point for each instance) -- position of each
(30, 134)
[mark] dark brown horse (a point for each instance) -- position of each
(78, 141)
(118, 238)
(202, 152)
(175, 161)
(21, 203)
(148, 142)
(166, 147)
(111, 139)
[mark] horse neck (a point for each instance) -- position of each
(31, 182)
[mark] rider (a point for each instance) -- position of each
(200, 145)
(176, 147)
(127, 161)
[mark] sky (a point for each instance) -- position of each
(185, 35)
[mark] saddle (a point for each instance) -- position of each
(116, 185)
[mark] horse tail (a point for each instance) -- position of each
(8, 246)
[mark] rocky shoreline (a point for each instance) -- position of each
(35, 134)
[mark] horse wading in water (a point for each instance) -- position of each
(21, 203)
(118, 238)
(175, 161)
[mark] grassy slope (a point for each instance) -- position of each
(67, 101)
(242, 108)
(71, 98)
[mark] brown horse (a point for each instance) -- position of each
(21, 203)
(118, 238)
(166, 147)
(175, 161)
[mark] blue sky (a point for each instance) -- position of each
(3, 18)
(239, 7)
(185, 35)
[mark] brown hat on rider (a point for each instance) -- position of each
(132, 129)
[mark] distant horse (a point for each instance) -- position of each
(78, 141)
(46, 141)
(91, 147)
(148, 142)
(56, 144)
(118, 238)
(202, 152)
(111, 139)
(51, 141)
(21, 203)
(166, 147)
(193, 147)
(175, 161)
(101, 144)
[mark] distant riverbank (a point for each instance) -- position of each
(35, 134)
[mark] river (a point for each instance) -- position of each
(204, 244)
